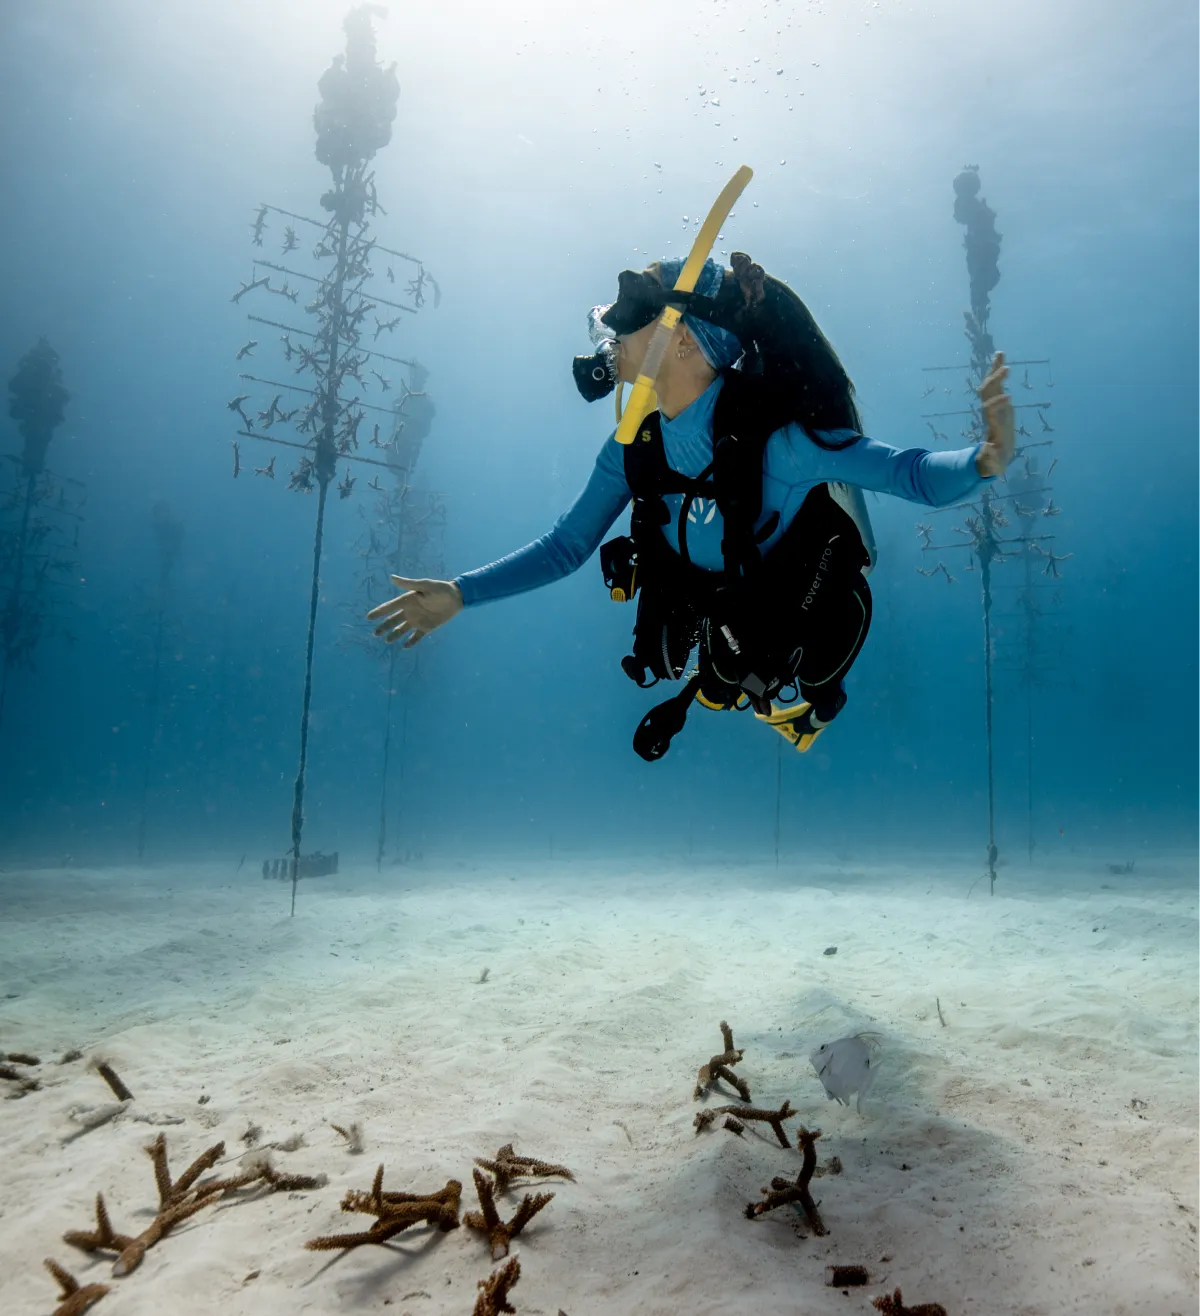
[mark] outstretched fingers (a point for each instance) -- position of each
(390, 632)
(422, 607)
(393, 608)
(993, 385)
(386, 613)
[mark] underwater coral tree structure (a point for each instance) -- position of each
(40, 515)
(403, 535)
(1035, 659)
(168, 540)
(336, 353)
(984, 520)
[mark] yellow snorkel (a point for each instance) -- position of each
(642, 401)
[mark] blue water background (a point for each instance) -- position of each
(535, 154)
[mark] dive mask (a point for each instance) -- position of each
(640, 300)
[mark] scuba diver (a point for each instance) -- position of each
(743, 455)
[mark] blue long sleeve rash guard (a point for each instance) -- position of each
(792, 466)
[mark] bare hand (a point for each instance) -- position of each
(423, 607)
(1000, 442)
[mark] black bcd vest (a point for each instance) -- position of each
(793, 618)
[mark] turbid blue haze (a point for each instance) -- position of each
(536, 154)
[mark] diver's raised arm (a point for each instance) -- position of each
(936, 479)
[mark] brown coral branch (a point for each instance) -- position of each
(499, 1232)
(783, 1192)
(352, 1134)
(204, 1162)
(493, 1291)
(101, 1239)
(508, 1166)
(891, 1304)
(76, 1297)
(290, 1183)
(159, 1228)
(449, 1197)
(112, 1078)
(394, 1212)
(719, 1067)
(23, 1081)
(380, 1232)
(157, 1151)
(179, 1200)
(736, 1114)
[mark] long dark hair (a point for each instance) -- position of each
(798, 378)
(801, 378)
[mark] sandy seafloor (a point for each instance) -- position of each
(1035, 1155)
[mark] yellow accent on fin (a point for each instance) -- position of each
(784, 714)
(783, 720)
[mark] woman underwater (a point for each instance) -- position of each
(749, 538)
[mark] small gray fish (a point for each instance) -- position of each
(844, 1068)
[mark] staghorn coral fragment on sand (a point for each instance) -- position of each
(784, 1192)
(353, 1134)
(735, 1115)
(131, 1250)
(23, 1083)
(393, 1212)
(720, 1067)
(508, 1166)
(891, 1304)
(111, 1077)
(75, 1298)
(178, 1200)
(493, 1291)
(500, 1233)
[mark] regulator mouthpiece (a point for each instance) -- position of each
(596, 375)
